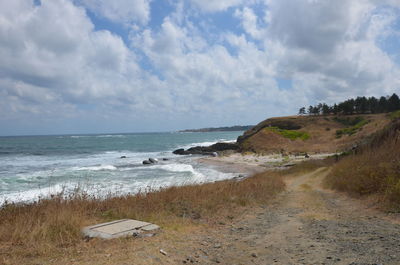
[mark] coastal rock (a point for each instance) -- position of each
(153, 160)
(224, 146)
(207, 150)
(123, 157)
(180, 151)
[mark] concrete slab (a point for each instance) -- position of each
(150, 227)
(119, 228)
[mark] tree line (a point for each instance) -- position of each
(359, 105)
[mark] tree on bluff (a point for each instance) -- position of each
(393, 103)
(359, 105)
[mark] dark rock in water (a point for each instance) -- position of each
(180, 151)
(153, 160)
(224, 146)
(198, 150)
(207, 150)
(165, 159)
(146, 162)
(123, 157)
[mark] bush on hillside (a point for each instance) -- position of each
(292, 135)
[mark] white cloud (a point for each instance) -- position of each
(121, 11)
(215, 6)
(330, 48)
(208, 79)
(51, 57)
(250, 22)
(54, 64)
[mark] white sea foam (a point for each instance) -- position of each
(127, 183)
(196, 175)
(31, 195)
(111, 136)
(96, 168)
(177, 167)
(208, 143)
(98, 136)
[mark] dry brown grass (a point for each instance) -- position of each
(53, 225)
(374, 169)
(309, 165)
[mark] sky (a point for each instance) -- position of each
(101, 66)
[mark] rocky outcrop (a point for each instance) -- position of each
(179, 151)
(150, 161)
(281, 124)
(207, 150)
(153, 160)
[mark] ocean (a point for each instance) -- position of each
(33, 167)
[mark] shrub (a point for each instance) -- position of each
(353, 129)
(348, 121)
(395, 115)
(290, 134)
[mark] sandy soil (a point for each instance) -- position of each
(251, 163)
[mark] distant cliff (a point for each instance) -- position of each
(222, 129)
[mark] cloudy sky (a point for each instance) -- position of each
(88, 66)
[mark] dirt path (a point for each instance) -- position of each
(304, 225)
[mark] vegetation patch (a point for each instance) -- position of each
(285, 124)
(395, 115)
(348, 121)
(290, 134)
(353, 129)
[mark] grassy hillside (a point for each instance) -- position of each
(328, 133)
(373, 169)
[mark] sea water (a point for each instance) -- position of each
(33, 167)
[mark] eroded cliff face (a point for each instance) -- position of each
(313, 134)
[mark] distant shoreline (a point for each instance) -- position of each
(221, 129)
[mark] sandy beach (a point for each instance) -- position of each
(248, 164)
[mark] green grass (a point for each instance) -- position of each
(353, 129)
(395, 115)
(348, 121)
(290, 134)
